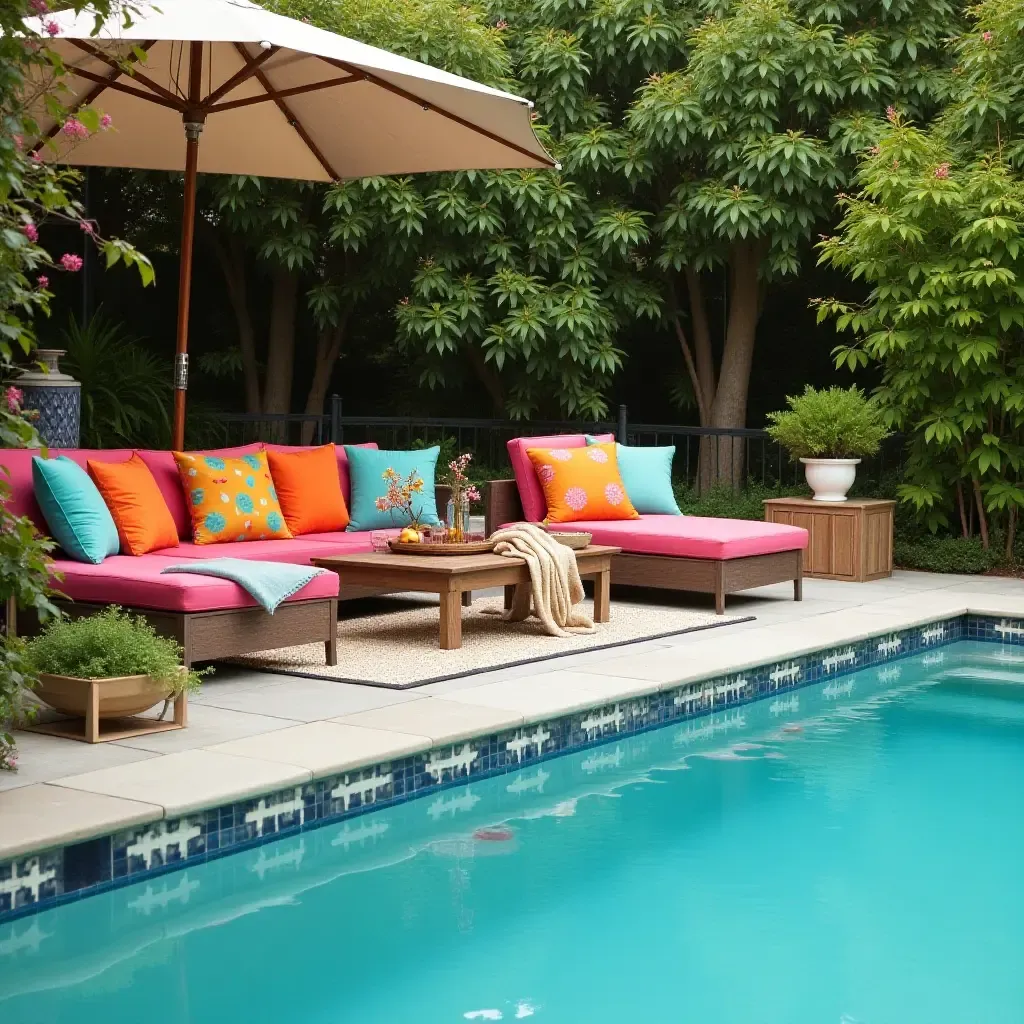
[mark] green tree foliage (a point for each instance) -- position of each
(936, 229)
(746, 133)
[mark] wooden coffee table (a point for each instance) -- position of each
(451, 576)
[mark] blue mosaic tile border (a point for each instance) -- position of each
(42, 880)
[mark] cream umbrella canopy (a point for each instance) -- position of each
(252, 92)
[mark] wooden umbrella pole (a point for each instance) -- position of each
(193, 120)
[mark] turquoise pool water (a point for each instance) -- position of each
(850, 853)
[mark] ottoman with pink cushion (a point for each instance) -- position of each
(710, 556)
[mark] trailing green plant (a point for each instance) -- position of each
(126, 392)
(34, 193)
(832, 423)
(108, 644)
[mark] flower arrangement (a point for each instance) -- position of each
(401, 495)
(462, 493)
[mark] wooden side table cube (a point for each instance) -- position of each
(849, 540)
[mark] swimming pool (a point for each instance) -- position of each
(847, 852)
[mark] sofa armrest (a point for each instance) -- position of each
(501, 504)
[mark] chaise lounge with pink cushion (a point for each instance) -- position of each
(210, 617)
(675, 552)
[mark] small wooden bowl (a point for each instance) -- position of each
(576, 541)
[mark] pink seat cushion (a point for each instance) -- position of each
(531, 494)
(342, 456)
(165, 472)
(343, 543)
(18, 463)
(694, 537)
(137, 582)
(297, 551)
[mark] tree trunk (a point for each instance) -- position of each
(328, 347)
(277, 390)
(982, 518)
(730, 405)
(1011, 532)
(488, 377)
(231, 257)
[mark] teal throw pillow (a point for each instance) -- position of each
(366, 467)
(74, 510)
(647, 476)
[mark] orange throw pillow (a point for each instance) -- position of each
(230, 498)
(582, 484)
(143, 520)
(308, 486)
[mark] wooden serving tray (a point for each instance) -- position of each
(404, 547)
(576, 541)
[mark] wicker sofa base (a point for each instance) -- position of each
(207, 636)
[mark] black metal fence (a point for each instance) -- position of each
(755, 458)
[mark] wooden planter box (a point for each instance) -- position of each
(849, 540)
(107, 706)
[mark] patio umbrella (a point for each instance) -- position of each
(269, 96)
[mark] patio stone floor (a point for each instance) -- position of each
(252, 732)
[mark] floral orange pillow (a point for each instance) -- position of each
(230, 499)
(581, 484)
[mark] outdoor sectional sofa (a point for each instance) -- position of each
(675, 552)
(210, 617)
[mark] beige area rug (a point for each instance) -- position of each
(394, 642)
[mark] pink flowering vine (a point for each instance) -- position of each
(890, 114)
(942, 171)
(52, 28)
(106, 121)
(14, 397)
(43, 281)
(39, 7)
(31, 232)
(87, 226)
(74, 129)
(987, 36)
(874, 151)
(70, 262)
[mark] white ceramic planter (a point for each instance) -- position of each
(830, 479)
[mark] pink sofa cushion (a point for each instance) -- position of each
(136, 581)
(297, 551)
(531, 494)
(165, 472)
(342, 455)
(694, 536)
(18, 463)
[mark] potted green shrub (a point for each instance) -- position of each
(110, 665)
(829, 431)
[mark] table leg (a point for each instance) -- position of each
(602, 596)
(510, 596)
(467, 599)
(451, 621)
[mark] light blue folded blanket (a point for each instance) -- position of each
(269, 583)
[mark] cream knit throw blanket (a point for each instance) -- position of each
(556, 590)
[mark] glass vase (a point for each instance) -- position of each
(458, 521)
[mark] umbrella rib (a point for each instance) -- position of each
(427, 105)
(297, 90)
(291, 118)
(102, 85)
(137, 76)
(240, 76)
(110, 83)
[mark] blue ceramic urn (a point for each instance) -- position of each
(56, 396)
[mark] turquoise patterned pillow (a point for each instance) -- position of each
(647, 475)
(367, 465)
